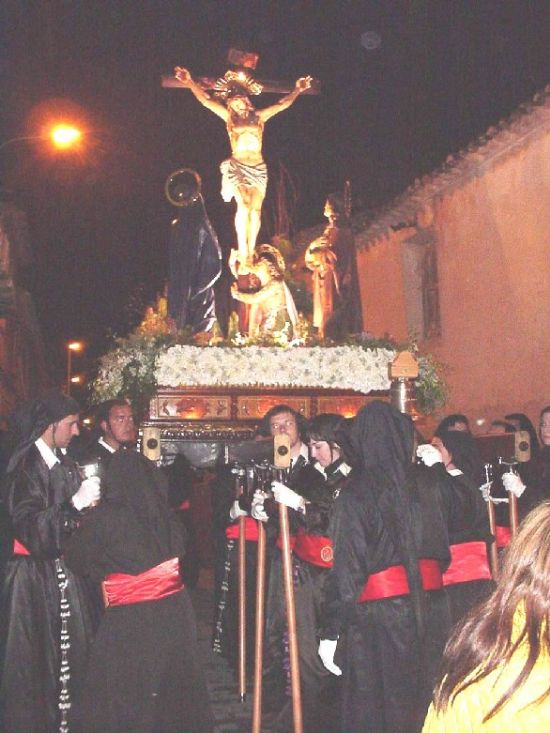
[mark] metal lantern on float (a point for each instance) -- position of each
(403, 371)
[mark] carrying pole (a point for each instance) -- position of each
(282, 464)
(493, 549)
(291, 620)
(259, 644)
(242, 609)
(513, 511)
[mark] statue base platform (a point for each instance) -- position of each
(199, 421)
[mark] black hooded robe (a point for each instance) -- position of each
(144, 673)
(392, 513)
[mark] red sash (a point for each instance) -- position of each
(314, 549)
(120, 589)
(19, 549)
(503, 535)
(250, 530)
(393, 581)
(468, 562)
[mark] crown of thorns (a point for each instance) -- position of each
(233, 83)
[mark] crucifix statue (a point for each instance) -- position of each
(244, 174)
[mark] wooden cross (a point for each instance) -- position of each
(243, 61)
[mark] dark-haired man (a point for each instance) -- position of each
(304, 486)
(49, 613)
(116, 423)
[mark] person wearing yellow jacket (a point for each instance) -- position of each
(496, 667)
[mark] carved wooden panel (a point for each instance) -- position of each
(254, 407)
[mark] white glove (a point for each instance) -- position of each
(88, 493)
(327, 648)
(257, 510)
(486, 490)
(513, 483)
(235, 512)
(288, 497)
(428, 454)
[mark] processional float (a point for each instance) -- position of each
(265, 306)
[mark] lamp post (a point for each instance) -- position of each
(72, 347)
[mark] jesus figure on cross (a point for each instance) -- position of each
(244, 174)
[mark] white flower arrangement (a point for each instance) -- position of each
(152, 358)
(337, 367)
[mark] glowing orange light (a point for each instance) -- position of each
(77, 379)
(63, 136)
(75, 345)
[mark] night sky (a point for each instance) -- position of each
(403, 85)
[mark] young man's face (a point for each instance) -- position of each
(120, 428)
(60, 434)
(285, 424)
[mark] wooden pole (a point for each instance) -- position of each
(291, 620)
(494, 548)
(242, 609)
(513, 511)
(259, 646)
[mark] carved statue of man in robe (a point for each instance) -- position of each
(331, 258)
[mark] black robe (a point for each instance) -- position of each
(310, 483)
(38, 502)
(471, 524)
(319, 687)
(392, 513)
(144, 674)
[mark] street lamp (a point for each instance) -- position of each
(72, 347)
(62, 136)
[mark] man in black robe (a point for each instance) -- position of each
(195, 266)
(144, 672)
(385, 595)
(115, 428)
(311, 562)
(49, 613)
(303, 482)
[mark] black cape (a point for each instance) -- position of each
(144, 673)
(392, 513)
(38, 502)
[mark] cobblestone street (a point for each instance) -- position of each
(230, 714)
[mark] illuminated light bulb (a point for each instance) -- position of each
(63, 136)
